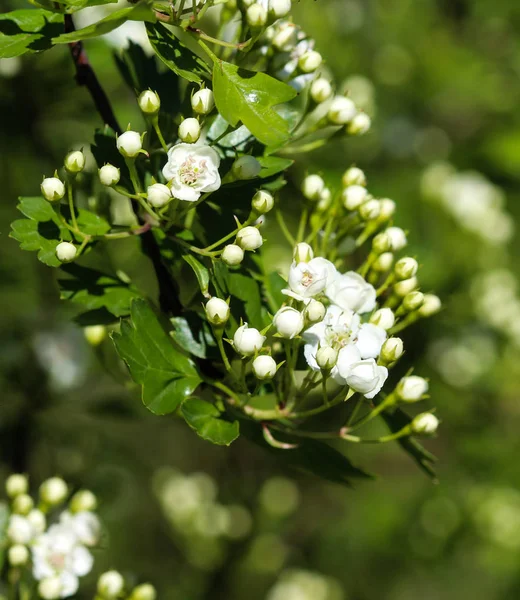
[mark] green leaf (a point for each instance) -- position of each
(245, 289)
(204, 418)
(74, 5)
(183, 335)
(201, 273)
(175, 55)
(271, 165)
(247, 96)
(95, 290)
(92, 224)
(42, 231)
(140, 12)
(28, 30)
(167, 376)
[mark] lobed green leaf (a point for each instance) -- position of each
(204, 419)
(28, 30)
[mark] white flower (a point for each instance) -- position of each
(232, 255)
(16, 484)
(249, 238)
(397, 238)
(53, 491)
(312, 187)
(363, 376)
(412, 388)
(75, 161)
(387, 209)
(288, 322)
(246, 167)
(248, 340)
(110, 584)
(264, 367)
(353, 176)
(129, 144)
(342, 110)
(52, 189)
(425, 423)
(144, 591)
(303, 253)
(37, 520)
(189, 130)
(149, 102)
(321, 90)
(279, 8)
(109, 175)
(23, 504)
(353, 196)
(383, 262)
(217, 311)
(404, 287)
(192, 170)
(19, 530)
(369, 340)
(413, 301)
(203, 101)
(351, 291)
(85, 526)
(307, 279)
(158, 194)
(50, 588)
(384, 317)
(18, 555)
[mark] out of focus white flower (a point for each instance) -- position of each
(425, 423)
(110, 585)
(342, 110)
(149, 102)
(85, 525)
(19, 530)
(312, 187)
(412, 388)
(362, 375)
(351, 291)
(321, 90)
(53, 491)
(353, 196)
(16, 484)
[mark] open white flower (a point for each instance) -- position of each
(85, 525)
(363, 376)
(351, 291)
(369, 340)
(306, 279)
(192, 170)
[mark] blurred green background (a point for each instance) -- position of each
(442, 80)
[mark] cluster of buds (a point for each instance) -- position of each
(111, 585)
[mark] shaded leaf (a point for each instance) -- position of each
(271, 165)
(204, 418)
(4, 521)
(92, 224)
(201, 273)
(28, 30)
(183, 336)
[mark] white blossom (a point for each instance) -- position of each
(109, 175)
(203, 101)
(310, 61)
(425, 423)
(384, 317)
(249, 238)
(52, 189)
(353, 176)
(16, 484)
(262, 202)
(66, 252)
(189, 130)
(246, 167)
(20, 530)
(342, 110)
(351, 291)
(75, 161)
(412, 388)
(264, 367)
(149, 102)
(321, 90)
(430, 306)
(217, 311)
(53, 491)
(362, 375)
(110, 584)
(232, 255)
(158, 195)
(248, 340)
(307, 279)
(392, 349)
(18, 555)
(129, 144)
(353, 196)
(85, 525)
(360, 124)
(397, 238)
(312, 187)
(406, 267)
(288, 322)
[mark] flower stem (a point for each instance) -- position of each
(284, 228)
(71, 206)
(155, 124)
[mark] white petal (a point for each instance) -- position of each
(81, 561)
(370, 338)
(69, 584)
(184, 192)
(347, 356)
(382, 374)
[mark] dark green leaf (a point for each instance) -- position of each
(167, 376)
(271, 165)
(28, 30)
(246, 96)
(92, 224)
(245, 289)
(74, 5)
(183, 336)
(98, 316)
(201, 273)
(204, 418)
(274, 283)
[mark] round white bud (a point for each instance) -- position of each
(406, 267)
(279, 8)
(353, 196)
(129, 144)
(149, 102)
(397, 238)
(288, 322)
(286, 38)
(303, 253)
(404, 287)
(262, 202)
(353, 176)
(95, 334)
(392, 350)
(411, 388)
(381, 243)
(37, 520)
(384, 318)
(431, 305)
(75, 161)
(312, 187)
(321, 90)
(50, 588)
(387, 207)
(83, 501)
(109, 175)
(246, 167)
(217, 311)
(256, 15)
(52, 189)
(310, 61)
(249, 238)
(53, 491)
(315, 311)
(158, 195)
(19, 530)
(341, 111)
(23, 504)
(383, 262)
(264, 367)
(18, 555)
(189, 130)
(110, 584)
(232, 255)
(425, 423)
(413, 301)
(248, 340)
(369, 211)
(66, 252)
(145, 591)
(360, 124)
(16, 484)
(203, 101)
(325, 200)
(326, 357)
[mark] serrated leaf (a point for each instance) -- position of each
(204, 419)
(167, 377)
(183, 336)
(201, 273)
(27, 30)
(250, 97)
(175, 55)
(92, 224)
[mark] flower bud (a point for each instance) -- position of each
(246, 167)
(397, 238)
(16, 484)
(425, 423)
(50, 588)
(95, 334)
(405, 268)
(189, 130)
(381, 243)
(75, 161)
(53, 491)
(431, 305)
(110, 585)
(158, 195)
(303, 253)
(264, 367)
(325, 200)
(279, 8)
(19, 530)
(217, 311)
(286, 38)
(392, 350)
(369, 211)
(288, 322)
(326, 357)
(52, 189)
(404, 287)
(248, 340)
(312, 187)
(262, 202)
(411, 388)
(109, 175)
(315, 311)
(66, 252)
(149, 102)
(413, 301)
(18, 555)
(384, 318)
(23, 504)
(249, 238)
(232, 255)
(321, 90)
(387, 209)
(353, 176)
(353, 196)
(83, 501)
(256, 15)
(37, 520)
(203, 101)
(310, 61)
(383, 262)
(360, 124)
(129, 144)
(145, 591)
(341, 111)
